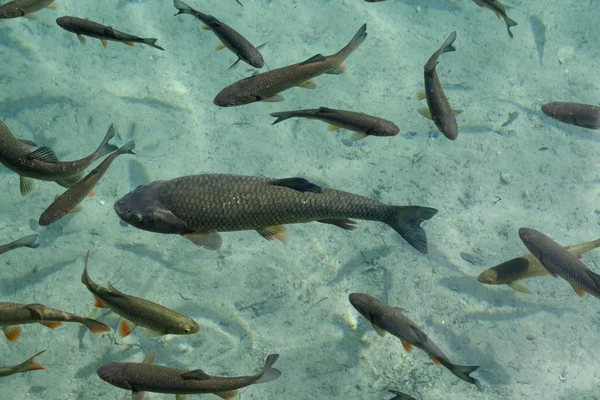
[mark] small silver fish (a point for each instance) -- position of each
(27, 241)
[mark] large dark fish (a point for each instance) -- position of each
(85, 27)
(560, 262)
(526, 267)
(362, 124)
(438, 109)
(499, 10)
(42, 163)
(584, 115)
(136, 311)
(24, 8)
(148, 377)
(28, 365)
(268, 85)
(385, 318)
(68, 201)
(27, 241)
(12, 314)
(200, 206)
(230, 38)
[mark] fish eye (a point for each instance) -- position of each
(138, 218)
(186, 330)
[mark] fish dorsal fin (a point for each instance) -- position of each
(313, 59)
(150, 358)
(43, 154)
(227, 395)
(380, 331)
(113, 290)
(28, 143)
(299, 184)
(197, 375)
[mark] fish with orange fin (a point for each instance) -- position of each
(24, 8)
(25, 366)
(135, 311)
(84, 27)
(13, 314)
(385, 318)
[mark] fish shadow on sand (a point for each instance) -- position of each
(365, 260)
(145, 251)
(33, 276)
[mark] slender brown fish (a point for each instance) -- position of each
(268, 85)
(85, 27)
(230, 38)
(69, 200)
(438, 109)
(42, 163)
(12, 314)
(28, 365)
(584, 115)
(27, 241)
(200, 206)
(148, 377)
(136, 311)
(362, 125)
(560, 262)
(499, 10)
(526, 267)
(24, 8)
(385, 318)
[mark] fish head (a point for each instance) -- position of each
(530, 237)
(185, 326)
(65, 23)
(559, 111)
(143, 209)
(235, 95)
(114, 373)
(51, 215)
(362, 303)
(489, 276)
(385, 128)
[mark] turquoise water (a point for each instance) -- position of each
(254, 297)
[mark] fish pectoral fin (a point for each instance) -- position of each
(26, 185)
(12, 333)
(206, 240)
(420, 94)
(346, 224)
(125, 327)
(30, 16)
(457, 112)
(579, 291)
(130, 44)
(81, 38)
(380, 331)
(42, 154)
(309, 84)
(313, 59)
(52, 7)
(299, 184)
(338, 70)
(28, 143)
(104, 42)
(114, 291)
(36, 309)
(180, 397)
(519, 287)
(332, 127)
(436, 361)
(356, 136)
(70, 180)
(150, 358)
(226, 395)
(196, 375)
(273, 99)
(137, 395)
(407, 346)
(98, 302)
(424, 111)
(234, 64)
(51, 325)
(274, 232)
(205, 28)
(219, 47)
(151, 333)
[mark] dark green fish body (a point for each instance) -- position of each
(42, 163)
(25, 366)
(147, 377)
(230, 38)
(526, 267)
(561, 262)
(136, 311)
(27, 241)
(385, 318)
(584, 115)
(21, 8)
(363, 124)
(85, 27)
(267, 85)
(67, 201)
(200, 206)
(439, 109)
(13, 314)
(499, 10)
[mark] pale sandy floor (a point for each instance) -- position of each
(256, 297)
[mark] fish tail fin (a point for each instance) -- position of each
(152, 43)
(30, 365)
(447, 47)
(509, 23)
(27, 241)
(464, 373)
(356, 41)
(269, 373)
(106, 148)
(181, 7)
(406, 220)
(127, 148)
(281, 116)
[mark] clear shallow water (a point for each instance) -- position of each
(255, 297)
